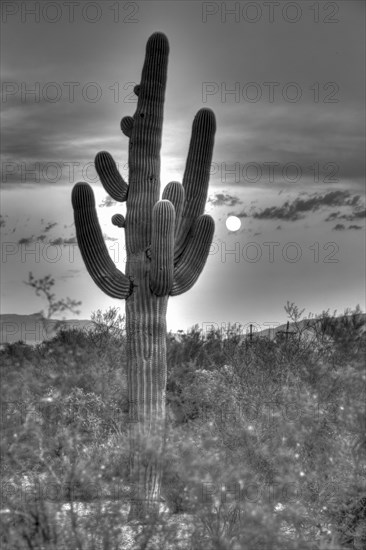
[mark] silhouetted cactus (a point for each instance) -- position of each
(167, 244)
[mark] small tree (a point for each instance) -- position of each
(43, 287)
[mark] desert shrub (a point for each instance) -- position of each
(265, 441)
(352, 522)
(289, 414)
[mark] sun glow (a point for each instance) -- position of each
(233, 223)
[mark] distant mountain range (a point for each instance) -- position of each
(305, 326)
(34, 329)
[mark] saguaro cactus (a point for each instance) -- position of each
(167, 244)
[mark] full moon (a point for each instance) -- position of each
(233, 223)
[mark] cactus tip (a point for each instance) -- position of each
(206, 116)
(158, 40)
(82, 196)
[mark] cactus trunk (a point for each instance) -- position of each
(146, 362)
(167, 243)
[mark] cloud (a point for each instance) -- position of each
(333, 216)
(292, 211)
(108, 201)
(358, 213)
(223, 199)
(238, 214)
(34, 154)
(26, 240)
(108, 238)
(262, 131)
(57, 242)
(355, 227)
(279, 145)
(63, 241)
(339, 227)
(50, 225)
(71, 240)
(54, 242)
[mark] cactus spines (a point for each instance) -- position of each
(111, 179)
(92, 246)
(127, 125)
(193, 258)
(162, 248)
(174, 192)
(167, 244)
(197, 173)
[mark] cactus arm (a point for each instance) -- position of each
(93, 249)
(162, 248)
(110, 177)
(118, 220)
(196, 174)
(145, 144)
(127, 125)
(193, 259)
(174, 192)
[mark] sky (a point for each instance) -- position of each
(286, 81)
